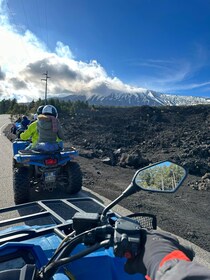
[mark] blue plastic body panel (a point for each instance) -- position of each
(40, 225)
(19, 145)
(100, 265)
(38, 158)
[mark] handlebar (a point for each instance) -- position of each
(89, 238)
(124, 237)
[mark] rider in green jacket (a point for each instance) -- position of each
(31, 132)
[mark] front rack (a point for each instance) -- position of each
(34, 219)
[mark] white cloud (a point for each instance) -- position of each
(63, 50)
(24, 58)
(174, 75)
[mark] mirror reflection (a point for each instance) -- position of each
(163, 177)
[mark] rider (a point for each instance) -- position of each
(31, 132)
(162, 257)
(16, 124)
(49, 129)
(34, 118)
(25, 122)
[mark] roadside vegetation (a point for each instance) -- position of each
(12, 107)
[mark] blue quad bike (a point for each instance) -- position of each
(44, 171)
(17, 129)
(79, 238)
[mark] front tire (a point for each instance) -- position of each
(74, 176)
(21, 184)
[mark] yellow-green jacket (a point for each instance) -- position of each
(31, 133)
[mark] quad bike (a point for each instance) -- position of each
(44, 171)
(79, 238)
(17, 129)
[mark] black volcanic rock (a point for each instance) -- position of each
(144, 134)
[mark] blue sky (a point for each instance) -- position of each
(99, 46)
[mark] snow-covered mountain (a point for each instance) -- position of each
(148, 97)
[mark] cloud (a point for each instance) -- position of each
(63, 51)
(195, 85)
(2, 75)
(175, 74)
(25, 58)
(18, 84)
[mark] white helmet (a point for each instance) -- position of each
(50, 110)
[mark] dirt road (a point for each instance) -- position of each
(6, 197)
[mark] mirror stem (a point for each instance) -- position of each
(111, 205)
(130, 190)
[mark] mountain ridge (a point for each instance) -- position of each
(149, 97)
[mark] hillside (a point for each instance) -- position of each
(140, 135)
(114, 142)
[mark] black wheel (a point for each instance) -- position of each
(74, 175)
(21, 184)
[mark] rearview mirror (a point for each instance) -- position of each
(165, 176)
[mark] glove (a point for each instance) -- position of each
(155, 246)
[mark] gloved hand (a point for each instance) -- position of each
(155, 246)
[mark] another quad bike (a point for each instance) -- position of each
(44, 171)
(79, 238)
(18, 128)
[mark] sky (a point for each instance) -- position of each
(104, 46)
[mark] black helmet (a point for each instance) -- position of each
(39, 109)
(50, 110)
